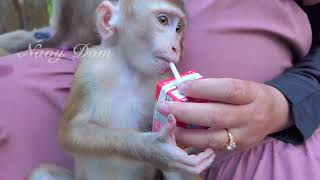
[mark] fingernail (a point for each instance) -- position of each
(163, 108)
(170, 118)
(183, 87)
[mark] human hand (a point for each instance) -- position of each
(249, 110)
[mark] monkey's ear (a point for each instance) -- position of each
(105, 12)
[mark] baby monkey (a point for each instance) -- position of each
(107, 121)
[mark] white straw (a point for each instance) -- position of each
(175, 73)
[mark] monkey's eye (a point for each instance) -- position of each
(178, 29)
(163, 20)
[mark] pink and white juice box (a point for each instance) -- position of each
(167, 91)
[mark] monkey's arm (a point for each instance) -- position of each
(82, 137)
(84, 131)
(94, 139)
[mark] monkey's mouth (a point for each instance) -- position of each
(163, 64)
(165, 59)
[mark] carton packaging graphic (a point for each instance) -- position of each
(167, 91)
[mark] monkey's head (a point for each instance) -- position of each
(147, 33)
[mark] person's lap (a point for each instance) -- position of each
(271, 159)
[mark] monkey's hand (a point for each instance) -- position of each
(165, 155)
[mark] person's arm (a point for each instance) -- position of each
(301, 86)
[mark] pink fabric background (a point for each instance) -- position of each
(33, 93)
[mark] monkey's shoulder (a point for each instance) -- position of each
(96, 65)
(96, 56)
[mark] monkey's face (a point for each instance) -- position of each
(154, 37)
(149, 34)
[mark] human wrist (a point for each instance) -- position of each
(280, 111)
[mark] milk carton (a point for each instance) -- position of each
(166, 90)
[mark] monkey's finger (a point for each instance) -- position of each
(194, 160)
(204, 165)
(202, 155)
(226, 90)
(167, 130)
(198, 169)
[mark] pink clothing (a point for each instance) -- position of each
(247, 39)
(271, 160)
(33, 93)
